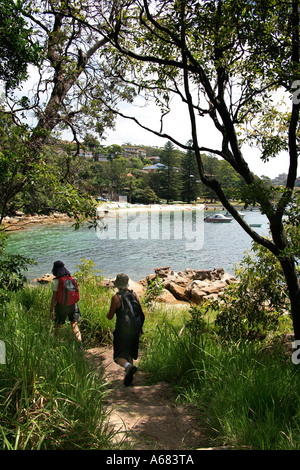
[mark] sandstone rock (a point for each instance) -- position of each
(197, 296)
(192, 285)
(147, 279)
(177, 290)
(215, 287)
(163, 272)
(202, 274)
(107, 283)
(45, 279)
(136, 287)
(59, 215)
(197, 290)
(167, 297)
(20, 221)
(198, 274)
(176, 279)
(228, 278)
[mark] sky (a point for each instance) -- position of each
(178, 125)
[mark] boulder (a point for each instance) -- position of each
(198, 274)
(215, 287)
(167, 297)
(192, 285)
(136, 287)
(197, 290)
(177, 290)
(195, 295)
(147, 279)
(203, 274)
(228, 278)
(163, 272)
(45, 279)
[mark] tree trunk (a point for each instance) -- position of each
(291, 276)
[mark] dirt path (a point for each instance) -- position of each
(146, 417)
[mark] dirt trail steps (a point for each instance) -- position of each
(146, 417)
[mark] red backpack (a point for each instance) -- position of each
(68, 291)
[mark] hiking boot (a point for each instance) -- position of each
(129, 374)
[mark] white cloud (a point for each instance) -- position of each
(177, 125)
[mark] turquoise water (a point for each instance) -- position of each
(138, 243)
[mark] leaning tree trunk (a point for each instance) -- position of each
(293, 285)
(288, 264)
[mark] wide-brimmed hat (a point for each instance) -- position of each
(121, 281)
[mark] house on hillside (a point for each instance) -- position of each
(154, 168)
(133, 152)
(154, 159)
(100, 158)
(86, 154)
(280, 180)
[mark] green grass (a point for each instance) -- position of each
(50, 398)
(249, 393)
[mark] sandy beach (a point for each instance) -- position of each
(125, 206)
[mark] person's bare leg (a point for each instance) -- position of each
(76, 331)
(121, 361)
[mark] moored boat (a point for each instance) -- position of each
(217, 218)
(241, 214)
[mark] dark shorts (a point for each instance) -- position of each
(125, 346)
(64, 311)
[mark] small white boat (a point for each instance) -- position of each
(239, 212)
(217, 218)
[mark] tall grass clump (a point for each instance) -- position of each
(174, 340)
(94, 304)
(50, 398)
(249, 391)
(252, 395)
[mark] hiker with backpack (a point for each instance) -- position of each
(65, 300)
(129, 326)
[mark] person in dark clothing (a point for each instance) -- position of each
(125, 343)
(63, 311)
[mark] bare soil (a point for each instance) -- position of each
(146, 417)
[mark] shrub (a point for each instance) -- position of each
(254, 305)
(153, 291)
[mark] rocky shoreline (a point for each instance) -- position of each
(20, 221)
(190, 286)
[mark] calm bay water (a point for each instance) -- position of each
(166, 243)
